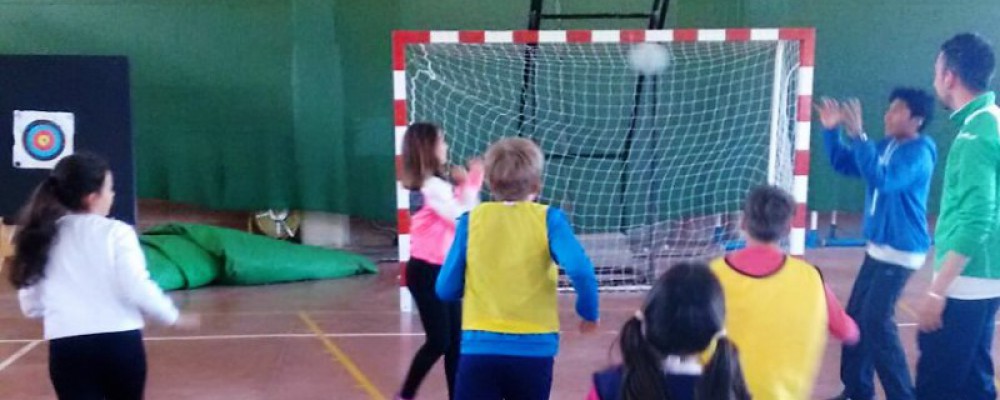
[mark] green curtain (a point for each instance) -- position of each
(251, 104)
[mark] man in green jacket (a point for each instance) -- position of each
(958, 311)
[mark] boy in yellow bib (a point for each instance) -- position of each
(503, 264)
(778, 310)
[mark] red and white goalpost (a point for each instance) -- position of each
(644, 185)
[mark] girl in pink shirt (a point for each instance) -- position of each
(435, 205)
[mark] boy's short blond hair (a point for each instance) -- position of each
(514, 169)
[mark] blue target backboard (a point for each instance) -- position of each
(54, 106)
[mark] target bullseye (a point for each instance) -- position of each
(42, 138)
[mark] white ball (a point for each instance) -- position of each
(649, 58)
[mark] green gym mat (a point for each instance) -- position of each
(185, 256)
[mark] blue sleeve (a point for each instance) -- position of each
(840, 156)
(904, 169)
(568, 253)
(451, 281)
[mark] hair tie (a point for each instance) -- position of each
(720, 334)
(639, 316)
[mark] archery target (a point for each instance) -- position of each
(41, 138)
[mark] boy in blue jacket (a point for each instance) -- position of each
(897, 172)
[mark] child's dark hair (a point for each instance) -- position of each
(61, 193)
(683, 314)
(920, 103)
(970, 57)
(419, 159)
(767, 214)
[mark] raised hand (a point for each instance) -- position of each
(830, 114)
(458, 175)
(851, 111)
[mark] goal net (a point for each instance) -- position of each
(650, 169)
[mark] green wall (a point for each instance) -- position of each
(210, 83)
(864, 49)
(244, 104)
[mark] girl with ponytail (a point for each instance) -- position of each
(85, 276)
(661, 345)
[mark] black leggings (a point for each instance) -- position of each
(442, 323)
(108, 366)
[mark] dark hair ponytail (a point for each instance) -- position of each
(62, 192)
(722, 378)
(684, 312)
(642, 375)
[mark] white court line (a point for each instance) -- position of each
(315, 312)
(282, 336)
(20, 353)
(269, 336)
(34, 342)
(913, 324)
(249, 336)
(31, 343)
